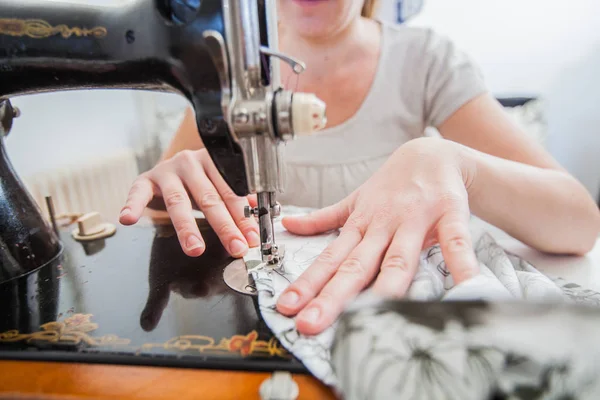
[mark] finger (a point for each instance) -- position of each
(430, 242)
(235, 204)
(353, 275)
(310, 283)
(139, 196)
(218, 216)
(158, 298)
(179, 208)
(252, 200)
(326, 219)
(431, 238)
(400, 262)
(456, 244)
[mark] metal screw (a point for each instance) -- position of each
(241, 116)
(208, 126)
(249, 212)
(276, 210)
(16, 112)
(130, 36)
(261, 118)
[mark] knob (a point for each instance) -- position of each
(249, 212)
(280, 386)
(308, 114)
(91, 227)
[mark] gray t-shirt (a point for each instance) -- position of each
(421, 80)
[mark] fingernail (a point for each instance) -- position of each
(124, 212)
(237, 247)
(253, 239)
(311, 315)
(289, 299)
(193, 243)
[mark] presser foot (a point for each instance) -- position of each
(274, 258)
(270, 255)
(238, 277)
(238, 274)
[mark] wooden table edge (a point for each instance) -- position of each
(41, 380)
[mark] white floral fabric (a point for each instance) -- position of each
(385, 350)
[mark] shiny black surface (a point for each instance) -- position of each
(50, 45)
(136, 298)
(27, 242)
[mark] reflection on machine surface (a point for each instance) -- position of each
(139, 300)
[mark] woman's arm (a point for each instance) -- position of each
(518, 186)
(186, 137)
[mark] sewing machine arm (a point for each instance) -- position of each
(51, 46)
(216, 53)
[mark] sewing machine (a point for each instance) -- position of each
(222, 56)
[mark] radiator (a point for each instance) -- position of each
(98, 185)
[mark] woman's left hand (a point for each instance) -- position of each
(417, 199)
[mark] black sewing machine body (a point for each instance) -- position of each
(134, 44)
(135, 297)
(130, 44)
(215, 53)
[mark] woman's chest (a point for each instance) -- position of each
(344, 97)
(343, 89)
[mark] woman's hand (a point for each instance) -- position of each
(195, 172)
(418, 198)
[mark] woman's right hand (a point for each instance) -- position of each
(223, 209)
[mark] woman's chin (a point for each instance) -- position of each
(308, 4)
(313, 28)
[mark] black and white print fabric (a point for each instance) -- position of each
(467, 350)
(511, 331)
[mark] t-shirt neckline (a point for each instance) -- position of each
(374, 87)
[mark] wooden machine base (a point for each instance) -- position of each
(69, 381)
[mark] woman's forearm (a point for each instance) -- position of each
(544, 208)
(186, 137)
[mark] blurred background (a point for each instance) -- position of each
(540, 57)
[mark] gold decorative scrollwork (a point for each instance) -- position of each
(73, 330)
(40, 29)
(248, 345)
(76, 329)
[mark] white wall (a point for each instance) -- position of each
(521, 45)
(66, 128)
(573, 114)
